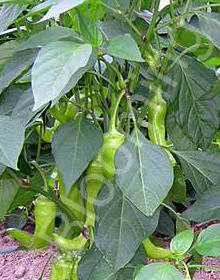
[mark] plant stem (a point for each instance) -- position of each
(203, 266)
(39, 143)
(113, 118)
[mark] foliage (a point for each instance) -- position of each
(110, 110)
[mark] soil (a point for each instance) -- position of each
(29, 265)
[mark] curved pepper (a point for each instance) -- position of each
(112, 140)
(77, 244)
(154, 252)
(45, 211)
(23, 237)
(157, 109)
(156, 115)
(71, 110)
(94, 180)
(47, 133)
(63, 268)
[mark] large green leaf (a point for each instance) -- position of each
(8, 13)
(8, 191)
(12, 194)
(190, 37)
(54, 66)
(11, 140)
(144, 172)
(42, 7)
(208, 241)
(188, 91)
(159, 271)
(7, 50)
(206, 207)
(121, 226)
(182, 242)
(74, 145)
(209, 25)
(124, 46)
(201, 168)
(95, 266)
(19, 63)
(51, 34)
(2, 168)
(17, 101)
(60, 7)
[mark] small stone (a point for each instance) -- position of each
(2, 261)
(20, 271)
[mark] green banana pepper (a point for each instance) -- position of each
(47, 133)
(156, 115)
(64, 112)
(74, 201)
(45, 211)
(112, 140)
(102, 167)
(94, 180)
(154, 252)
(157, 109)
(78, 243)
(23, 237)
(64, 269)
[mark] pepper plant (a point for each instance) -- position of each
(109, 127)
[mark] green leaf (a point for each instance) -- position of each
(165, 224)
(8, 190)
(51, 34)
(206, 207)
(74, 145)
(144, 172)
(182, 242)
(89, 29)
(191, 102)
(190, 37)
(17, 65)
(125, 47)
(17, 101)
(94, 266)
(2, 168)
(209, 25)
(7, 50)
(120, 223)
(11, 140)
(8, 13)
(208, 241)
(159, 271)
(54, 67)
(39, 8)
(201, 168)
(61, 6)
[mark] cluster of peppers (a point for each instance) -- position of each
(101, 168)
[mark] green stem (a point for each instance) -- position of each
(187, 276)
(203, 266)
(114, 116)
(150, 30)
(39, 143)
(118, 12)
(170, 208)
(37, 166)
